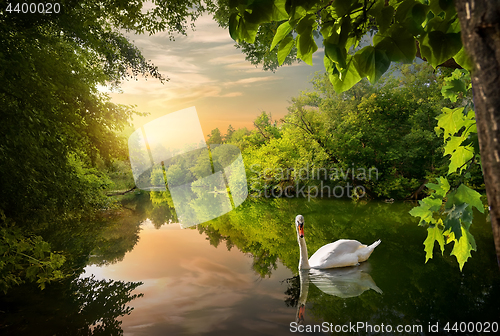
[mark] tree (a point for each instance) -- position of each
(480, 25)
(266, 127)
(387, 127)
(215, 137)
(229, 133)
(55, 126)
(403, 29)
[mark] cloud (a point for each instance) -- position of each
(207, 31)
(232, 94)
(178, 63)
(251, 80)
(228, 59)
(244, 65)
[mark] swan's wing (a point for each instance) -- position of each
(341, 282)
(333, 251)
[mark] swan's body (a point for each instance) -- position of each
(341, 253)
(343, 282)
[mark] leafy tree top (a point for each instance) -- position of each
(401, 30)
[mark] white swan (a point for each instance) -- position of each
(343, 282)
(341, 253)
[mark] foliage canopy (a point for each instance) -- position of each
(401, 30)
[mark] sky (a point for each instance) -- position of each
(192, 288)
(207, 71)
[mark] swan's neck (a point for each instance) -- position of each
(304, 259)
(304, 289)
(304, 286)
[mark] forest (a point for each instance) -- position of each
(381, 137)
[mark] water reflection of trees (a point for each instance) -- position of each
(118, 236)
(413, 292)
(78, 306)
(214, 236)
(75, 307)
(120, 229)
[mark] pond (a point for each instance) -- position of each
(237, 274)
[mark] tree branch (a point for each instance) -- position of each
(117, 193)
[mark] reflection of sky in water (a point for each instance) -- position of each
(191, 287)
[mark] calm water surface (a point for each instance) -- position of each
(237, 275)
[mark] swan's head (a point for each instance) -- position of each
(299, 223)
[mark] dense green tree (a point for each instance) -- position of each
(404, 29)
(58, 132)
(388, 128)
(240, 138)
(229, 133)
(215, 137)
(265, 127)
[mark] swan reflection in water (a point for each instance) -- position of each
(343, 282)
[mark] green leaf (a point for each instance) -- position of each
(340, 34)
(295, 12)
(432, 202)
(336, 53)
(452, 88)
(372, 63)
(398, 44)
(452, 221)
(441, 188)
(451, 120)
(464, 60)
(384, 19)
(419, 13)
(411, 14)
(472, 140)
(404, 9)
(242, 29)
(433, 234)
(467, 217)
(422, 212)
(464, 194)
(459, 157)
(306, 46)
(306, 25)
(278, 11)
(329, 65)
(265, 11)
(439, 6)
(283, 30)
(452, 145)
(327, 28)
(438, 47)
(284, 49)
(463, 247)
(426, 209)
(343, 81)
(341, 7)
(233, 26)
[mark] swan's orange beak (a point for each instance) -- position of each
(301, 230)
(300, 313)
